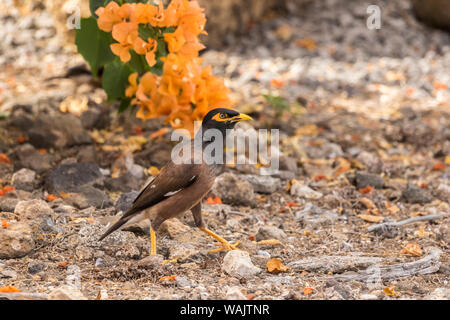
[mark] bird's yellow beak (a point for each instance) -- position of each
(241, 117)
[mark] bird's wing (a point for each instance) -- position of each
(170, 180)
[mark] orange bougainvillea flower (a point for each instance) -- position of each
(307, 291)
(365, 190)
(439, 166)
(6, 189)
(51, 197)
(212, 200)
(108, 16)
(146, 48)
(4, 158)
(131, 90)
(275, 265)
(168, 278)
(5, 224)
(8, 289)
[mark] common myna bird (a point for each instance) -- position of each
(181, 187)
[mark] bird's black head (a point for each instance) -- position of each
(222, 119)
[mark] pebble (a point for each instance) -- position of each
(16, 241)
(238, 264)
(269, 232)
(439, 294)
(66, 292)
(235, 293)
(368, 179)
(173, 228)
(234, 190)
(414, 194)
(32, 209)
(303, 191)
(263, 184)
(69, 177)
(443, 192)
(24, 179)
(368, 296)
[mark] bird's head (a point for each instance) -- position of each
(223, 119)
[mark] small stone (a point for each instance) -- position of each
(439, 294)
(414, 194)
(269, 232)
(234, 190)
(238, 264)
(31, 209)
(288, 164)
(66, 292)
(24, 179)
(303, 191)
(372, 163)
(124, 183)
(368, 296)
(183, 282)
(87, 154)
(235, 293)
(87, 196)
(69, 177)
(58, 131)
(30, 158)
(8, 204)
(126, 200)
(36, 267)
(182, 253)
(368, 179)
(326, 150)
(443, 192)
(16, 241)
(173, 228)
(263, 184)
(152, 261)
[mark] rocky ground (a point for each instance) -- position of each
(364, 129)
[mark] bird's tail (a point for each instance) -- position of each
(124, 219)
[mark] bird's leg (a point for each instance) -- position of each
(152, 242)
(198, 219)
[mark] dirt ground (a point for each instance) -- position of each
(364, 121)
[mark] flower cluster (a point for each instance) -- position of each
(185, 91)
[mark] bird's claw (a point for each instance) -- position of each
(227, 246)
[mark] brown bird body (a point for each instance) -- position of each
(179, 187)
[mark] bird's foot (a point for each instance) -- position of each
(170, 261)
(227, 246)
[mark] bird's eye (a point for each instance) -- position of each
(222, 116)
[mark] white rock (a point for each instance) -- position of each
(31, 209)
(16, 241)
(235, 293)
(443, 192)
(368, 296)
(238, 264)
(303, 191)
(439, 294)
(24, 179)
(66, 292)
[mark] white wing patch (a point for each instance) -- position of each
(168, 194)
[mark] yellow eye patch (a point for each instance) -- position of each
(218, 118)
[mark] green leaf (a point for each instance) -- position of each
(146, 32)
(138, 62)
(93, 44)
(115, 79)
(124, 104)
